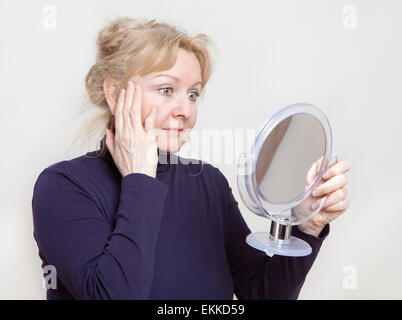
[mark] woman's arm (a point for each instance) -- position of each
(92, 259)
(255, 274)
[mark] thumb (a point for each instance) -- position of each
(311, 174)
(110, 140)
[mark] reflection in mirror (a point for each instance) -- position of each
(287, 155)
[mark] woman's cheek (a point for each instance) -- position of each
(149, 101)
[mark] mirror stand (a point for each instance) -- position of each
(280, 232)
(279, 240)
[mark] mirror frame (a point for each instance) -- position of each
(257, 202)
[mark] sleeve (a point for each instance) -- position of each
(257, 276)
(92, 259)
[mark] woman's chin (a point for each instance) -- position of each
(172, 143)
(169, 147)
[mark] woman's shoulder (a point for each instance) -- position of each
(86, 172)
(87, 161)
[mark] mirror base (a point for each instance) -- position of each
(294, 247)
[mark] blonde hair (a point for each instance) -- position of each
(128, 47)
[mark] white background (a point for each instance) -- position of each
(271, 54)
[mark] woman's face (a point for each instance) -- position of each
(175, 100)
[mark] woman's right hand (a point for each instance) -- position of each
(133, 147)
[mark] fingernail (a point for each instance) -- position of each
(316, 193)
(130, 84)
(327, 175)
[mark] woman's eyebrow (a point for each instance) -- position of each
(174, 78)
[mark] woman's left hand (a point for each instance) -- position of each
(333, 187)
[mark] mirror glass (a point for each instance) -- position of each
(287, 155)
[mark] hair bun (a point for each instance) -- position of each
(113, 36)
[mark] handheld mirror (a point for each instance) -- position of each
(276, 178)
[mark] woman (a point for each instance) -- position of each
(122, 224)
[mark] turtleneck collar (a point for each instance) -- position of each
(165, 160)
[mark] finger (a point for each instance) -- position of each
(127, 105)
(339, 206)
(118, 116)
(319, 163)
(150, 121)
(136, 116)
(150, 125)
(335, 197)
(311, 174)
(328, 217)
(110, 141)
(331, 185)
(342, 166)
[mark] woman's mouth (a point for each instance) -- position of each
(178, 131)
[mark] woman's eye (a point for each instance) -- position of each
(194, 94)
(165, 88)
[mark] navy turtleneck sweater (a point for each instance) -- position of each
(177, 236)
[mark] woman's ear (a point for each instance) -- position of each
(110, 90)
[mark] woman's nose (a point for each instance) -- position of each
(183, 106)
